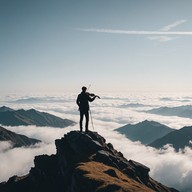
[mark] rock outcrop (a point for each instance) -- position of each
(84, 162)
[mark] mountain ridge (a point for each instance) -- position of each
(17, 140)
(145, 131)
(11, 117)
(180, 111)
(178, 139)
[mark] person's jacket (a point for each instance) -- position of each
(83, 100)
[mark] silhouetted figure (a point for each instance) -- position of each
(82, 101)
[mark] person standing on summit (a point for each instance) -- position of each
(82, 101)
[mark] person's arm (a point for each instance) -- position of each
(77, 101)
(91, 98)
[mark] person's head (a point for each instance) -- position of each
(84, 89)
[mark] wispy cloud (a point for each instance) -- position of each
(163, 35)
(168, 28)
(162, 38)
(173, 25)
(138, 32)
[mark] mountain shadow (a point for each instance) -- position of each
(84, 162)
(178, 139)
(16, 140)
(10, 117)
(145, 132)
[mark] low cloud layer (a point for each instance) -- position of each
(171, 168)
(18, 161)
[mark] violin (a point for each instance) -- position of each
(92, 95)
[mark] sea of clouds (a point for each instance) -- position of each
(171, 168)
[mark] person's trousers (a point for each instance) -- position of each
(82, 114)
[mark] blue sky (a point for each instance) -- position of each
(124, 45)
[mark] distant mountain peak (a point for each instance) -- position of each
(154, 123)
(84, 162)
(33, 110)
(4, 109)
(147, 122)
(145, 131)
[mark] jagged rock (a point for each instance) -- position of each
(84, 162)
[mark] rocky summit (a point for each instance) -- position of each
(84, 162)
